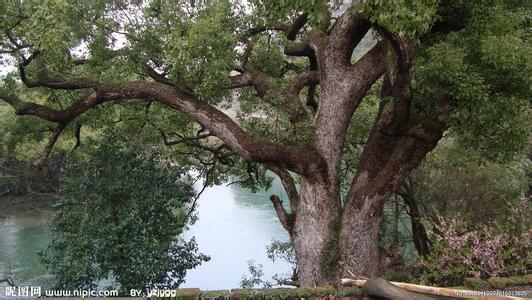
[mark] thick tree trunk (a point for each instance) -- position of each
(330, 245)
(332, 241)
(359, 238)
(313, 232)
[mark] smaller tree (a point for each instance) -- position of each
(276, 251)
(119, 217)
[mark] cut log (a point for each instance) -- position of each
(431, 290)
(382, 289)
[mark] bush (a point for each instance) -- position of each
(118, 219)
(462, 250)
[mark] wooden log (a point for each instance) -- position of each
(381, 288)
(431, 290)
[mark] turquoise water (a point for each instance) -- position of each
(22, 236)
(234, 226)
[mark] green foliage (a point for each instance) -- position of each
(518, 280)
(266, 57)
(274, 12)
(119, 216)
(502, 282)
(454, 181)
(197, 44)
(284, 251)
(484, 69)
(320, 291)
(255, 278)
(203, 51)
(482, 66)
(276, 251)
(404, 17)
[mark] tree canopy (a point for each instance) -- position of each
(350, 97)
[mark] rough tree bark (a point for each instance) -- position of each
(332, 238)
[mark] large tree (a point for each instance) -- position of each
(300, 71)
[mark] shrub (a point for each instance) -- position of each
(118, 218)
(462, 250)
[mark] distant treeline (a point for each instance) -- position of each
(20, 178)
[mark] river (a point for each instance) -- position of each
(234, 226)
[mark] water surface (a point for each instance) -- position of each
(234, 226)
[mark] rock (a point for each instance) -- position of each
(476, 283)
(498, 282)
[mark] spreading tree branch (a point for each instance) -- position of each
(234, 137)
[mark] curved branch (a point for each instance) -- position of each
(77, 134)
(158, 77)
(290, 96)
(285, 218)
(298, 49)
(302, 161)
(289, 186)
(396, 84)
(299, 22)
(44, 79)
(347, 92)
(388, 159)
(346, 34)
(290, 30)
(8, 280)
(53, 139)
(185, 140)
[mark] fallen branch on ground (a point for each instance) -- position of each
(431, 290)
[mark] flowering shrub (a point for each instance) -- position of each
(461, 249)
